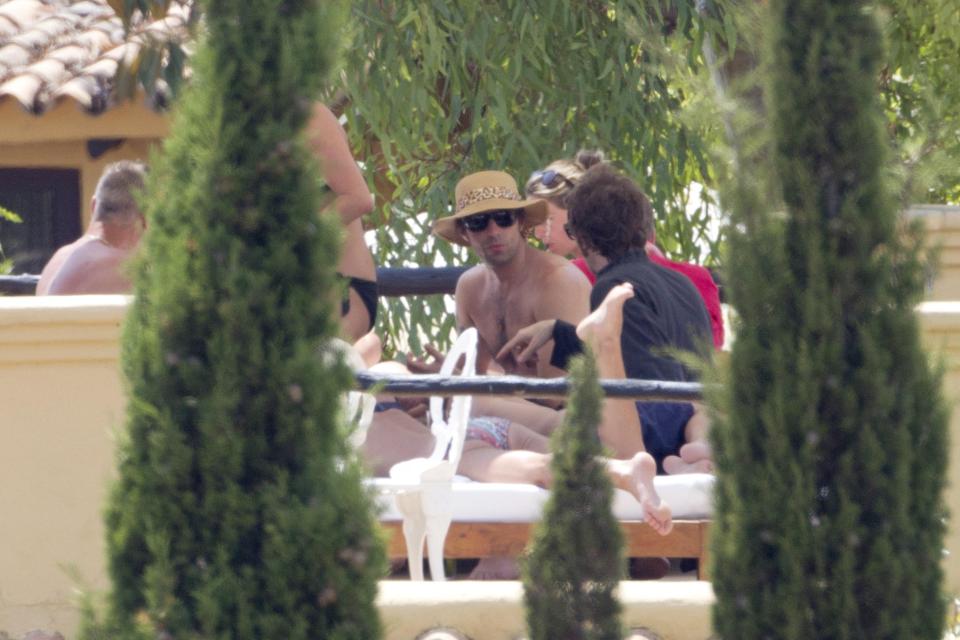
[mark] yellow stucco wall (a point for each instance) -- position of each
(72, 154)
(943, 226)
(61, 400)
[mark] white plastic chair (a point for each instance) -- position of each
(424, 501)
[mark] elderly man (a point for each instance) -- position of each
(95, 262)
(517, 284)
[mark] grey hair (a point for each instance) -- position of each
(118, 190)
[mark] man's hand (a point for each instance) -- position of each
(422, 365)
(522, 348)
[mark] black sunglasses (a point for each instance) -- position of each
(479, 222)
(550, 178)
(569, 230)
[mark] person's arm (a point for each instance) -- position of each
(566, 299)
(467, 291)
(566, 344)
(467, 287)
(328, 141)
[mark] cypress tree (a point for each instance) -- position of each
(576, 560)
(239, 510)
(831, 451)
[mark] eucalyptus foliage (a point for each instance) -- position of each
(831, 443)
(439, 89)
(6, 264)
(433, 90)
(239, 511)
(922, 96)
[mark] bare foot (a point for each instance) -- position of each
(636, 476)
(496, 568)
(676, 465)
(696, 451)
(601, 329)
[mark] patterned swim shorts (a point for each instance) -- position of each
(491, 430)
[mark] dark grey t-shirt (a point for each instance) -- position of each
(665, 312)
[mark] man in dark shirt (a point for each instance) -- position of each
(608, 216)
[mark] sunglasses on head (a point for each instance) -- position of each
(480, 221)
(550, 178)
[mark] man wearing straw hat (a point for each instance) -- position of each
(516, 284)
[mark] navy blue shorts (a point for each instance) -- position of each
(663, 425)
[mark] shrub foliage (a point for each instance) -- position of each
(831, 452)
(239, 511)
(576, 559)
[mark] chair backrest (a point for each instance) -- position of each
(450, 431)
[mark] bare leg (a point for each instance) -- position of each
(482, 462)
(394, 436)
(620, 428)
(370, 348)
(696, 456)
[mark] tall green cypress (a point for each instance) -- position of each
(576, 560)
(831, 454)
(239, 510)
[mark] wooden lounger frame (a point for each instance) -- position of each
(688, 539)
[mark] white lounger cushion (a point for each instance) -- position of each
(690, 497)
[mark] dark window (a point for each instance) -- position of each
(48, 201)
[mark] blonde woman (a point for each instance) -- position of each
(555, 183)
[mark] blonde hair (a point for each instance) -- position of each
(118, 190)
(569, 173)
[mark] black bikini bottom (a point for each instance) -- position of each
(367, 290)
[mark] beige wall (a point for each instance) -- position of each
(72, 154)
(61, 400)
(943, 225)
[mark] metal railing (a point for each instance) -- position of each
(508, 385)
(391, 281)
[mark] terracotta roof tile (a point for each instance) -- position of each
(54, 50)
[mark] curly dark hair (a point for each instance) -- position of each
(608, 213)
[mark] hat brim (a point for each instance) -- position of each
(534, 213)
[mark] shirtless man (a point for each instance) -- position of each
(95, 263)
(517, 284)
(525, 456)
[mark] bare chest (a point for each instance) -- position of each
(499, 314)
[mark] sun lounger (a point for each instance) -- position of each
(496, 519)
(423, 499)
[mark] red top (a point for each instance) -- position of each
(699, 276)
(582, 265)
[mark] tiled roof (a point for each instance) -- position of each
(56, 50)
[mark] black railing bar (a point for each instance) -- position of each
(438, 385)
(391, 281)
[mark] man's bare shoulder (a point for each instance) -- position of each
(92, 268)
(560, 272)
(473, 279)
(563, 291)
(54, 264)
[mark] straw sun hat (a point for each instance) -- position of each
(488, 191)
